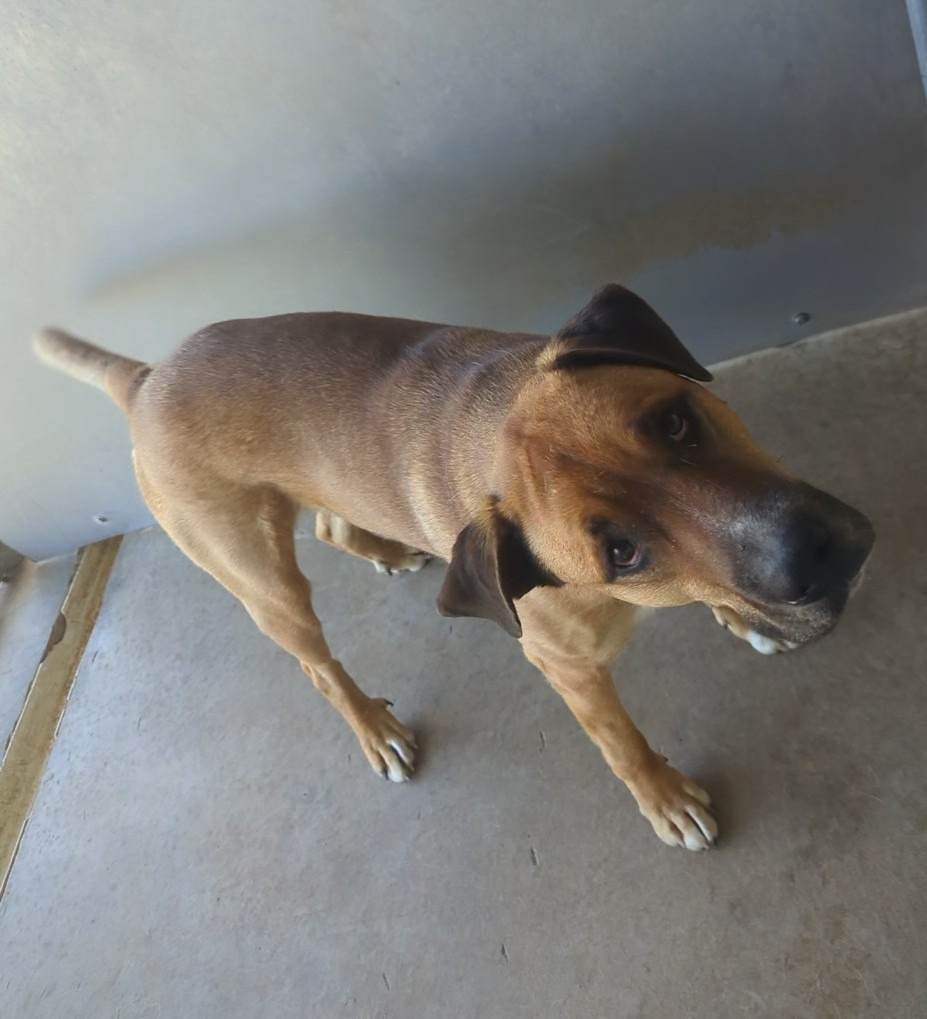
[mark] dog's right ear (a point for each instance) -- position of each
(491, 567)
(618, 327)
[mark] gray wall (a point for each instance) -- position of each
(490, 163)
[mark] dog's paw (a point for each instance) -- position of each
(412, 562)
(388, 745)
(676, 807)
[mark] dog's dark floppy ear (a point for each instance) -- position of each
(491, 566)
(619, 327)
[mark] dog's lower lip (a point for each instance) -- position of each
(789, 625)
(787, 634)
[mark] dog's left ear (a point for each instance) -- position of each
(491, 567)
(618, 327)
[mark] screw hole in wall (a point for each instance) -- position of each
(101, 519)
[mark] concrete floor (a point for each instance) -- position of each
(208, 842)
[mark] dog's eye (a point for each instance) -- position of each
(676, 425)
(624, 554)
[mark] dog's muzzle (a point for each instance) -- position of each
(799, 555)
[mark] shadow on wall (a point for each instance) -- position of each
(515, 248)
(10, 561)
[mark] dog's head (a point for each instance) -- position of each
(616, 470)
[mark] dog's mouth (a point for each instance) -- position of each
(772, 632)
(765, 636)
(769, 645)
(759, 635)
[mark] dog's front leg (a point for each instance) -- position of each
(675, 806)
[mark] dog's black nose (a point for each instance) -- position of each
(815, 545)
(813, 560)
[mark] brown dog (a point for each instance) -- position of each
(566, 481)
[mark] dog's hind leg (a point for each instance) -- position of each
(386, 555)
(244, 538)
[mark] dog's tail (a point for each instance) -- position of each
(116, 375)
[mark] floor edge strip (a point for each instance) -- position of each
(37, 726)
